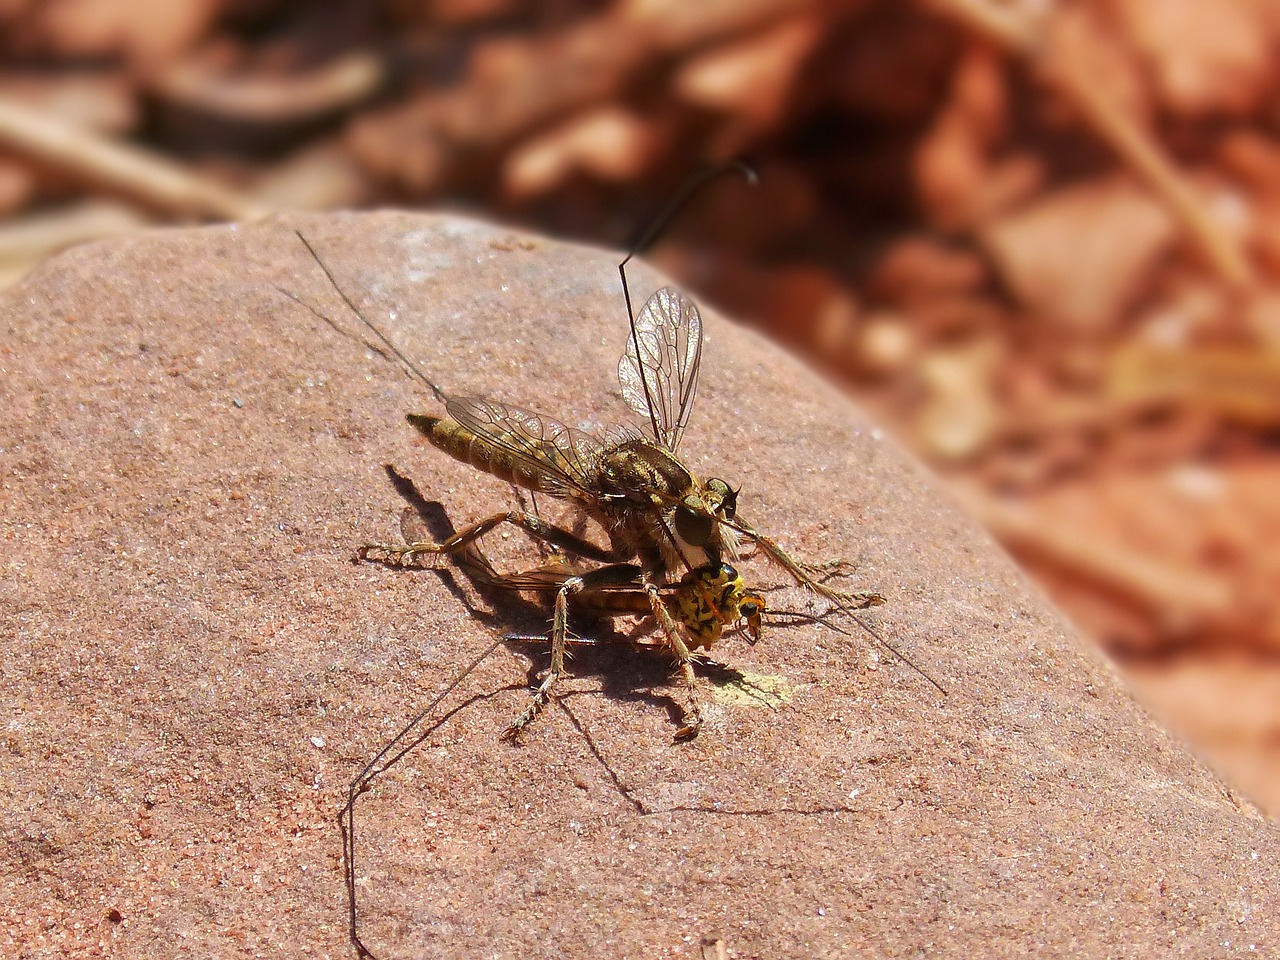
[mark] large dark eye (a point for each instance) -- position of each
(693, 527)
(728, 497)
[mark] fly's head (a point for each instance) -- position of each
(702, 519)
(722, 498)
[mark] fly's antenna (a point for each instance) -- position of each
(669, 212)
(390, 348)
(825, 620)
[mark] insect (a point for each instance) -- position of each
(672, 536)
(661, 519)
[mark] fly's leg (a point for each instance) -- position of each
(403, 554)
(684, 660)
(559, 634)
(808, 574)
(611, 576)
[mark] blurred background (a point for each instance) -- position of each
(1041, 241)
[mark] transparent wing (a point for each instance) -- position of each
(559, 458)
(660, 383)
(552, 577)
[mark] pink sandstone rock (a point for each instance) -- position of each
(192, 669)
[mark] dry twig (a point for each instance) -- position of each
(120, 168)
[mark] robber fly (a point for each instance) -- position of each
(659, 517)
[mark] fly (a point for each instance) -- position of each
(672, 535)
(659, 517)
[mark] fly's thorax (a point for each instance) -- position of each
(465, 445)
(637, 474)
(641, 474)
(641, 486)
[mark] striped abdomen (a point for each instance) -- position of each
(483, 454)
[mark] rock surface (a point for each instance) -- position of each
(191, 668)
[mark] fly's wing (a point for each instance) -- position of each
(550, 578)
(560, 458)
(660, 382)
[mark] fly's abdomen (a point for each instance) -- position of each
(483, 454)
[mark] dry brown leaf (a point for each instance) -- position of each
(1080, 256)
(610, 143)
(1207, 57)
(961, 412)
(147, 32)
(1242, 383)
(750, 78)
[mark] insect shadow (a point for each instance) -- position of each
(627, 668)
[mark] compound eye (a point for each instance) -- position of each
(693, 526)
(728, 497)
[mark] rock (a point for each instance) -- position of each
(192, 670)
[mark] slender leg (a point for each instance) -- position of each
(807, 574)
(400, 555)
(611, 576)
(684, 659)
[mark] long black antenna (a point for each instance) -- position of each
(411, 367)
(661, 222)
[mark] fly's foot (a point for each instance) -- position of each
(527, 716)
(828, 569)
(691, 723)
(395, 554)
(530, 713)
(512, 733)
(816, 576)
(857, 599)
